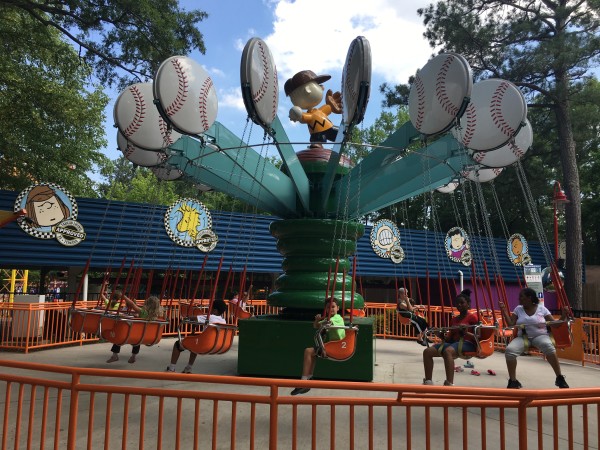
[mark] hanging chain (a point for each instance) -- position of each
(487, 226)
(530, 202)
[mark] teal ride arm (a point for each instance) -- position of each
(291, 162)
(332, 165)
(239, 172)
(367, 168)
(398, 177)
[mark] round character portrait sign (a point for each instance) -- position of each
(458, 246)
(51, 213)
(518, 250)
(186, 221)
(385, 240)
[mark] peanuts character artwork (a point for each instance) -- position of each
(518, 249)
(51, 213)
(457, 246)
(385, 240)
(188, 223)
(306, 92)
(45, 208)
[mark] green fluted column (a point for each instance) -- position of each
(310, 248)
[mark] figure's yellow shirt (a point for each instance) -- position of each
(317, 120)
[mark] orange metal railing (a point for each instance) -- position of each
(77, 408)
(26, 327)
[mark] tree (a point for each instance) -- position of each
(128, 183)
(121, 40)
(51, 120)
(547, 48)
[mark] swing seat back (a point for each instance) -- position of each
(340, 350)
(86, 320)
(561, 335)
(121, 331)
(485, 343)
(188, 310)
(234, 311)
(407, 320)
(356, 312)
(214, 339)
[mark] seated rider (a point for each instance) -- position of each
(408, 309)
(333, 334)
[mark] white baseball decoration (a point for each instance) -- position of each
(138, 119)
(186, 95)
(493, 117)
(448, 188)
(258, 76)
(138, 156)
(481, 175)
(167, 173)
(357, 72)
(439, 92)
(509, 153)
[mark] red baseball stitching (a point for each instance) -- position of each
(182, 89)
(262, 90)
(479, 157)
(347, 85)
(471, 115)
(496, 110)
(203, 102)
(440, 88)
(275, 92)
(516, 150)
(164, 131)
(420, 102)
(140, 112)
(128, 151)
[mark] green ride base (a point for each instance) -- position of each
(270, 346)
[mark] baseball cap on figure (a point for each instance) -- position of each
(301, 78)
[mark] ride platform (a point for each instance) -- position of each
(270, 346)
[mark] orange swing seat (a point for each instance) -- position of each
(339, 350)
(122, 330)
(212, 340)
(234, 311)
(561, 334)
(86, 321)
(484, 335)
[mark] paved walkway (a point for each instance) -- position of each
(397, 361)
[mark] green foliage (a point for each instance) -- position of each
(138, 184)
(51, 119)
(547, 49)
(381, 322)
(122, 40)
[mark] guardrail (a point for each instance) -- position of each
(77, 408)
(34, 326)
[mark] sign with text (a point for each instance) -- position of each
(533, 279)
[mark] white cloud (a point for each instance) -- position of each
(214, 71)
(314, 34)
(231, 98)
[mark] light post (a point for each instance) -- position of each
(559, 201)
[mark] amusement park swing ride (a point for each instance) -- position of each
(467, 131)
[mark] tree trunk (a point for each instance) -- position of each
(574, 260)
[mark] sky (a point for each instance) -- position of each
(302, 34)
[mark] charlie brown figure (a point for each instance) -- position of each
(306, 92)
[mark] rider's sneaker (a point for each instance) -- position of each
(560, 382)
(514, 384)
(297, 391)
